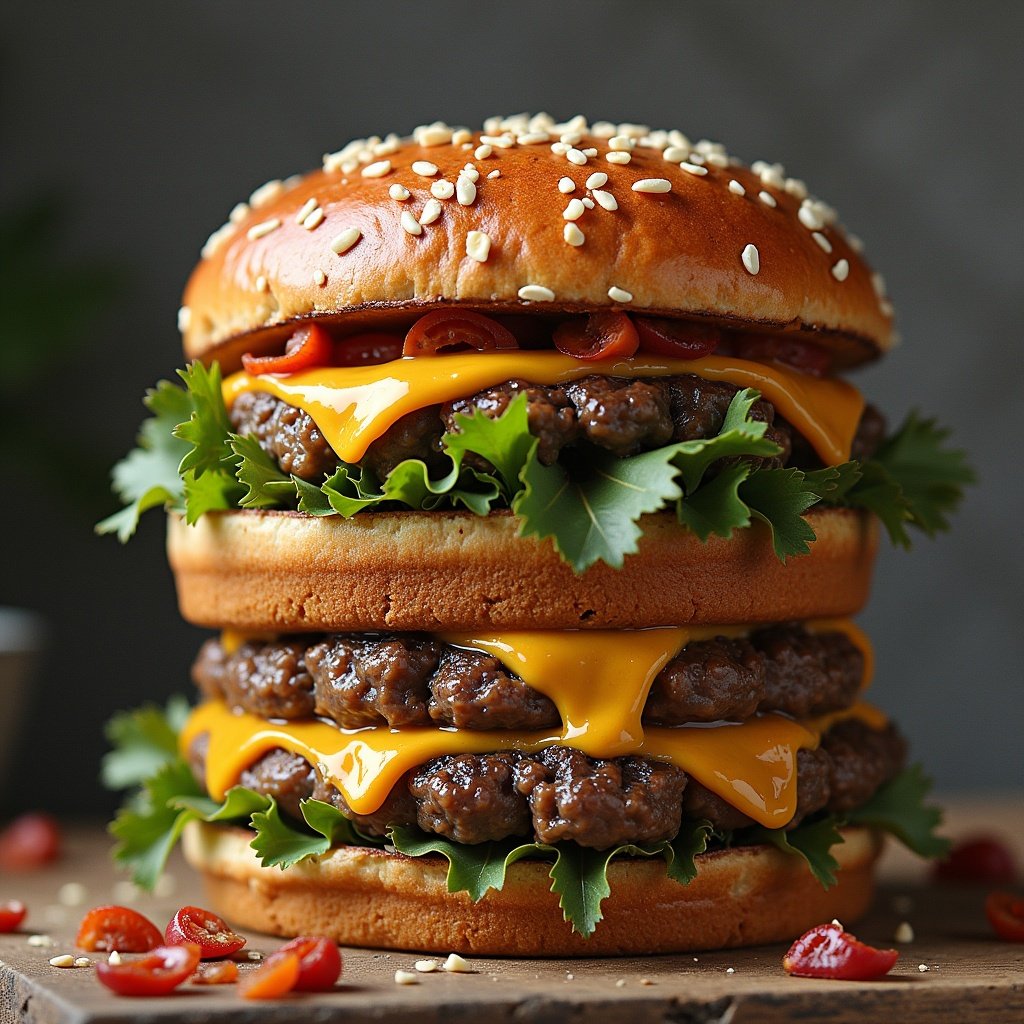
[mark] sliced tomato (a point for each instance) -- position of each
(801, 355)
(105, 929)
(222, 972)
(676, 339)
(276, 977)
(1005, 913)
(367, 349)
(978, 859)
(154, 975)
(448, 330)
(308, 347)
(29, 842)
(319, 962)
(209, 932)
(829, 952)
(599, 336)
(12, 913)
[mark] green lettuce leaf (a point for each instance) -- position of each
(266, 486)
(813, 841)
(208, 429)
(278, 844)
(504, 441)
(693, 839)
(779, 498)
(142, 741)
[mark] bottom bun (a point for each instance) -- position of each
(365, 896)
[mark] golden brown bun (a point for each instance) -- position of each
(284, 571)
(362, 896)
(677, 253)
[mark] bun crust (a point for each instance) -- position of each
(264, 571)
(677, 253)
(362, 896)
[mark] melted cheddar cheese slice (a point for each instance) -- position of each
(353, 406)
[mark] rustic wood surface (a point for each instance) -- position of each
(971, 976)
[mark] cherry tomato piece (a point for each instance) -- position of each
(208, 931)
(801, 355)
(276, 977)
(308, 347)
(676, 339)
(446, 330)
(1005, 913)
(154, 975)
(29, 842)
(107, 928)
(978, 859)
(828, 952)
(600, 336)
(367, 349)
(319, 962)
(223, 972)
(12, 913)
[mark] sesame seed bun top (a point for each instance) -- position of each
(533, 216)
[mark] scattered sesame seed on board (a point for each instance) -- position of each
(406, 978)
(572, 234)
(344, 241)
(536, 293)
(617, 294)
(751, 258)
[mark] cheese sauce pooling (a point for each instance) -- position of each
(353, 406)
(599, 682)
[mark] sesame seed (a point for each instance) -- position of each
(587, 202)
(620, 143)
(483, 152)
(571, 138)
(767, 198)
(465, 192)
(717, 159)
(261, 283)
(535, 293)
(377, 169)
(217, 239)
(469, 171)
(572, 234)
(692, 168)
(319, 278)
(433, 135)
(40, 940)
(841, 271)
(773, 176)
(114, 958)
(461, 137)
(597, 180)
(64, 960)
(238, 212)
(730, 970)
(263, 228)
(406, 978)
(575, 156)
(442, 189)
(878, 283)
(314, 220)
(83, 961)
(795, 187)
(617, 294)
(697, 158)
(478, 246)
(494, 174)
(431, 211)
(590, 152)
(822, 241)
(424, 168)
(809, 216)
(566, 185)
(266, 193)
(456, 964)
(923, 968)
(736, 188)
(410, 224)
(184, 319)
(620, 983)
(399, 192)
(305, 210)
(498, 141)
(605, 199)
(559, 148)
(855, 243)
(675, 154)
(886, 307)
(751, 258)
(344, 241)
(574, 210)
(533, 138)
(652, 185)
(602, 129)
(618, 157)
(426, 966)
(904, 933)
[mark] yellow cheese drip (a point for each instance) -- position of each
(353, 406)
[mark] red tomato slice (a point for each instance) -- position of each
(223, 972)
(978, 859)
(154, 975)
(801, 355)
(828, 952)
(1005, 913)
(12, 913)
(600, 336)
(29, 842)
(308, 347)
(319, 963)
(367, 349)
(276, 977)
(107, 928)
(446, 330)
(676, 339)
(208, 931)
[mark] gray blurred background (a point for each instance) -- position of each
(129, 131)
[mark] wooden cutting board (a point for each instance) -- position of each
(970, 974)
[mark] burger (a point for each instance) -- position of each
(518, 475)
